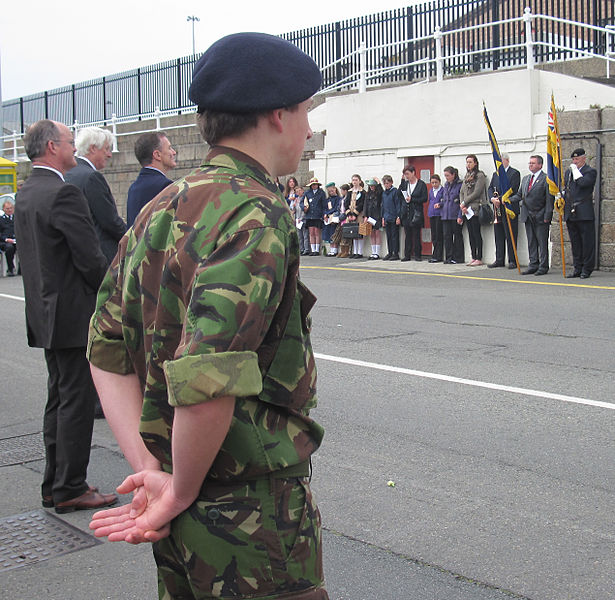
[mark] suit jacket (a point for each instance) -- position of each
(514, 179)
(148, 184)
(580, 194)
(61, 261)
(417, 199)
(537, 202)
(108, 224)
(7, 227)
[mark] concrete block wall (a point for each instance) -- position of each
(572, 125)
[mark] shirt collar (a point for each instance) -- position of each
(50, 169)
(87, 160)
(155, 169)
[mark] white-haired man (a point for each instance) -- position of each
(93, 151)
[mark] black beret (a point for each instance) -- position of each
(252, 72)
(578, 152)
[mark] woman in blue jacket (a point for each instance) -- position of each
(452, 218)
(434, 212)
(314, 204)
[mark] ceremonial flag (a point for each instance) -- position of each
(504, 185)
(554, 159)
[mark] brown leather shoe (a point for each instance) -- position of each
(86, 501)
(48, 500)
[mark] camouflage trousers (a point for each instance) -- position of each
(256, 539)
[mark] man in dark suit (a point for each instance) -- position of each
(579, 181)
(536, 212)
(62, 267)
(93, 151)
(156, 157)
(8, 245)
(500, 224)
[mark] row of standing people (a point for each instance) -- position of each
(320, 215)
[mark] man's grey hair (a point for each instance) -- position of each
(37, 136)
(505, 155)
(92, 136)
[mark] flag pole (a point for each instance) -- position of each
(554, 172)
(561, 239)
(512, 239)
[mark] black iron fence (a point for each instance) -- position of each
(395, 37)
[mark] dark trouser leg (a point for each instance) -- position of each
(416, 241)
(68, 423)
(476, 239)
(588, 245)
(458, 248)
(576, 244)
(9, 252)
(408, 241)
(447, 237)
(514, 225)
(542, 233)
(392, 238)
(532, 242)
(500, 242)
(436, 237)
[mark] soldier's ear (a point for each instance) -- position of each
(275, 118)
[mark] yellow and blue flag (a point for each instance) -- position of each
(554, 159)
(504, 185)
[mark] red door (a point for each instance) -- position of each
(424, 170)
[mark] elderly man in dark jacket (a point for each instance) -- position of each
(62, 267)
(93, 151)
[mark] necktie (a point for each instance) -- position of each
(529, 187)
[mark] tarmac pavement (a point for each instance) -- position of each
(355, 568)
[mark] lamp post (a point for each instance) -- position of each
(193, 19)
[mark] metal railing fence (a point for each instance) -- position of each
(431, 40)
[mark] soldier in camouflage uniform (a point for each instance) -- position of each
(200, 348)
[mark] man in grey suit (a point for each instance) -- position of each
(93, 151)
(62, 267)
(536, 212)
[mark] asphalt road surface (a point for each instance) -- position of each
(484, 395)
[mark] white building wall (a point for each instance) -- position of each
(372, 133)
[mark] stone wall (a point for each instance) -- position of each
(123, 167)
(572, 124)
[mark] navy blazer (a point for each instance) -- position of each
(146, 186)
(108, 224)
(61, 261)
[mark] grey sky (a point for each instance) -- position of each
(45, 44)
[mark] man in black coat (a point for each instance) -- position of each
(62, 267)
(414, 193)
(93, 151)
(8, 244)
(501, 232)
(156, 157)
(536, 212)
(579, 181)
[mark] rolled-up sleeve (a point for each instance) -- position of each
(235, 296)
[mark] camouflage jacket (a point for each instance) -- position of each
(204, 300)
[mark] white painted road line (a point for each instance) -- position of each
(449, 378)
(472, 382)
(12, 297)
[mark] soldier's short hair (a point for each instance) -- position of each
(215, 125)
(146, 144)
(37, 136)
